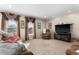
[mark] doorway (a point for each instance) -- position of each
(30, 28)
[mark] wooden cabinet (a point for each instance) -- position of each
(46, 35)
(62, 32)
(63, 36)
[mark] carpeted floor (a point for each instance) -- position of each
(48, 47)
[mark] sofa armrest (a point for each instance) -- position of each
(71, 52)
(75, 47)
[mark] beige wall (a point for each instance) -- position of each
(52, 29)
(72, 18)
(22, 30)
(39, 31)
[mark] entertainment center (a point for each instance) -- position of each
(62, 32)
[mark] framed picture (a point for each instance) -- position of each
(50, 25)
(22, 24)
(39, 25)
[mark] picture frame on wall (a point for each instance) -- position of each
(39, 25)
(50, 25)
(22, 24)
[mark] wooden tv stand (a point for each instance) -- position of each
(63, 36)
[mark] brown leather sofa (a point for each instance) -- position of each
(73, 49)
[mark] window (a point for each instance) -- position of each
(30, 28)
(11, 26)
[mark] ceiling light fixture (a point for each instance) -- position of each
(44, 16)
(10, 6)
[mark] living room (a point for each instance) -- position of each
(47, 29)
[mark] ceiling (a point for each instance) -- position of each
(40, 10)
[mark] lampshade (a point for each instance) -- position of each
(44, 30)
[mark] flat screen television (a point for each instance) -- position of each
(64, 28)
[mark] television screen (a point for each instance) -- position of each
(65, 28)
